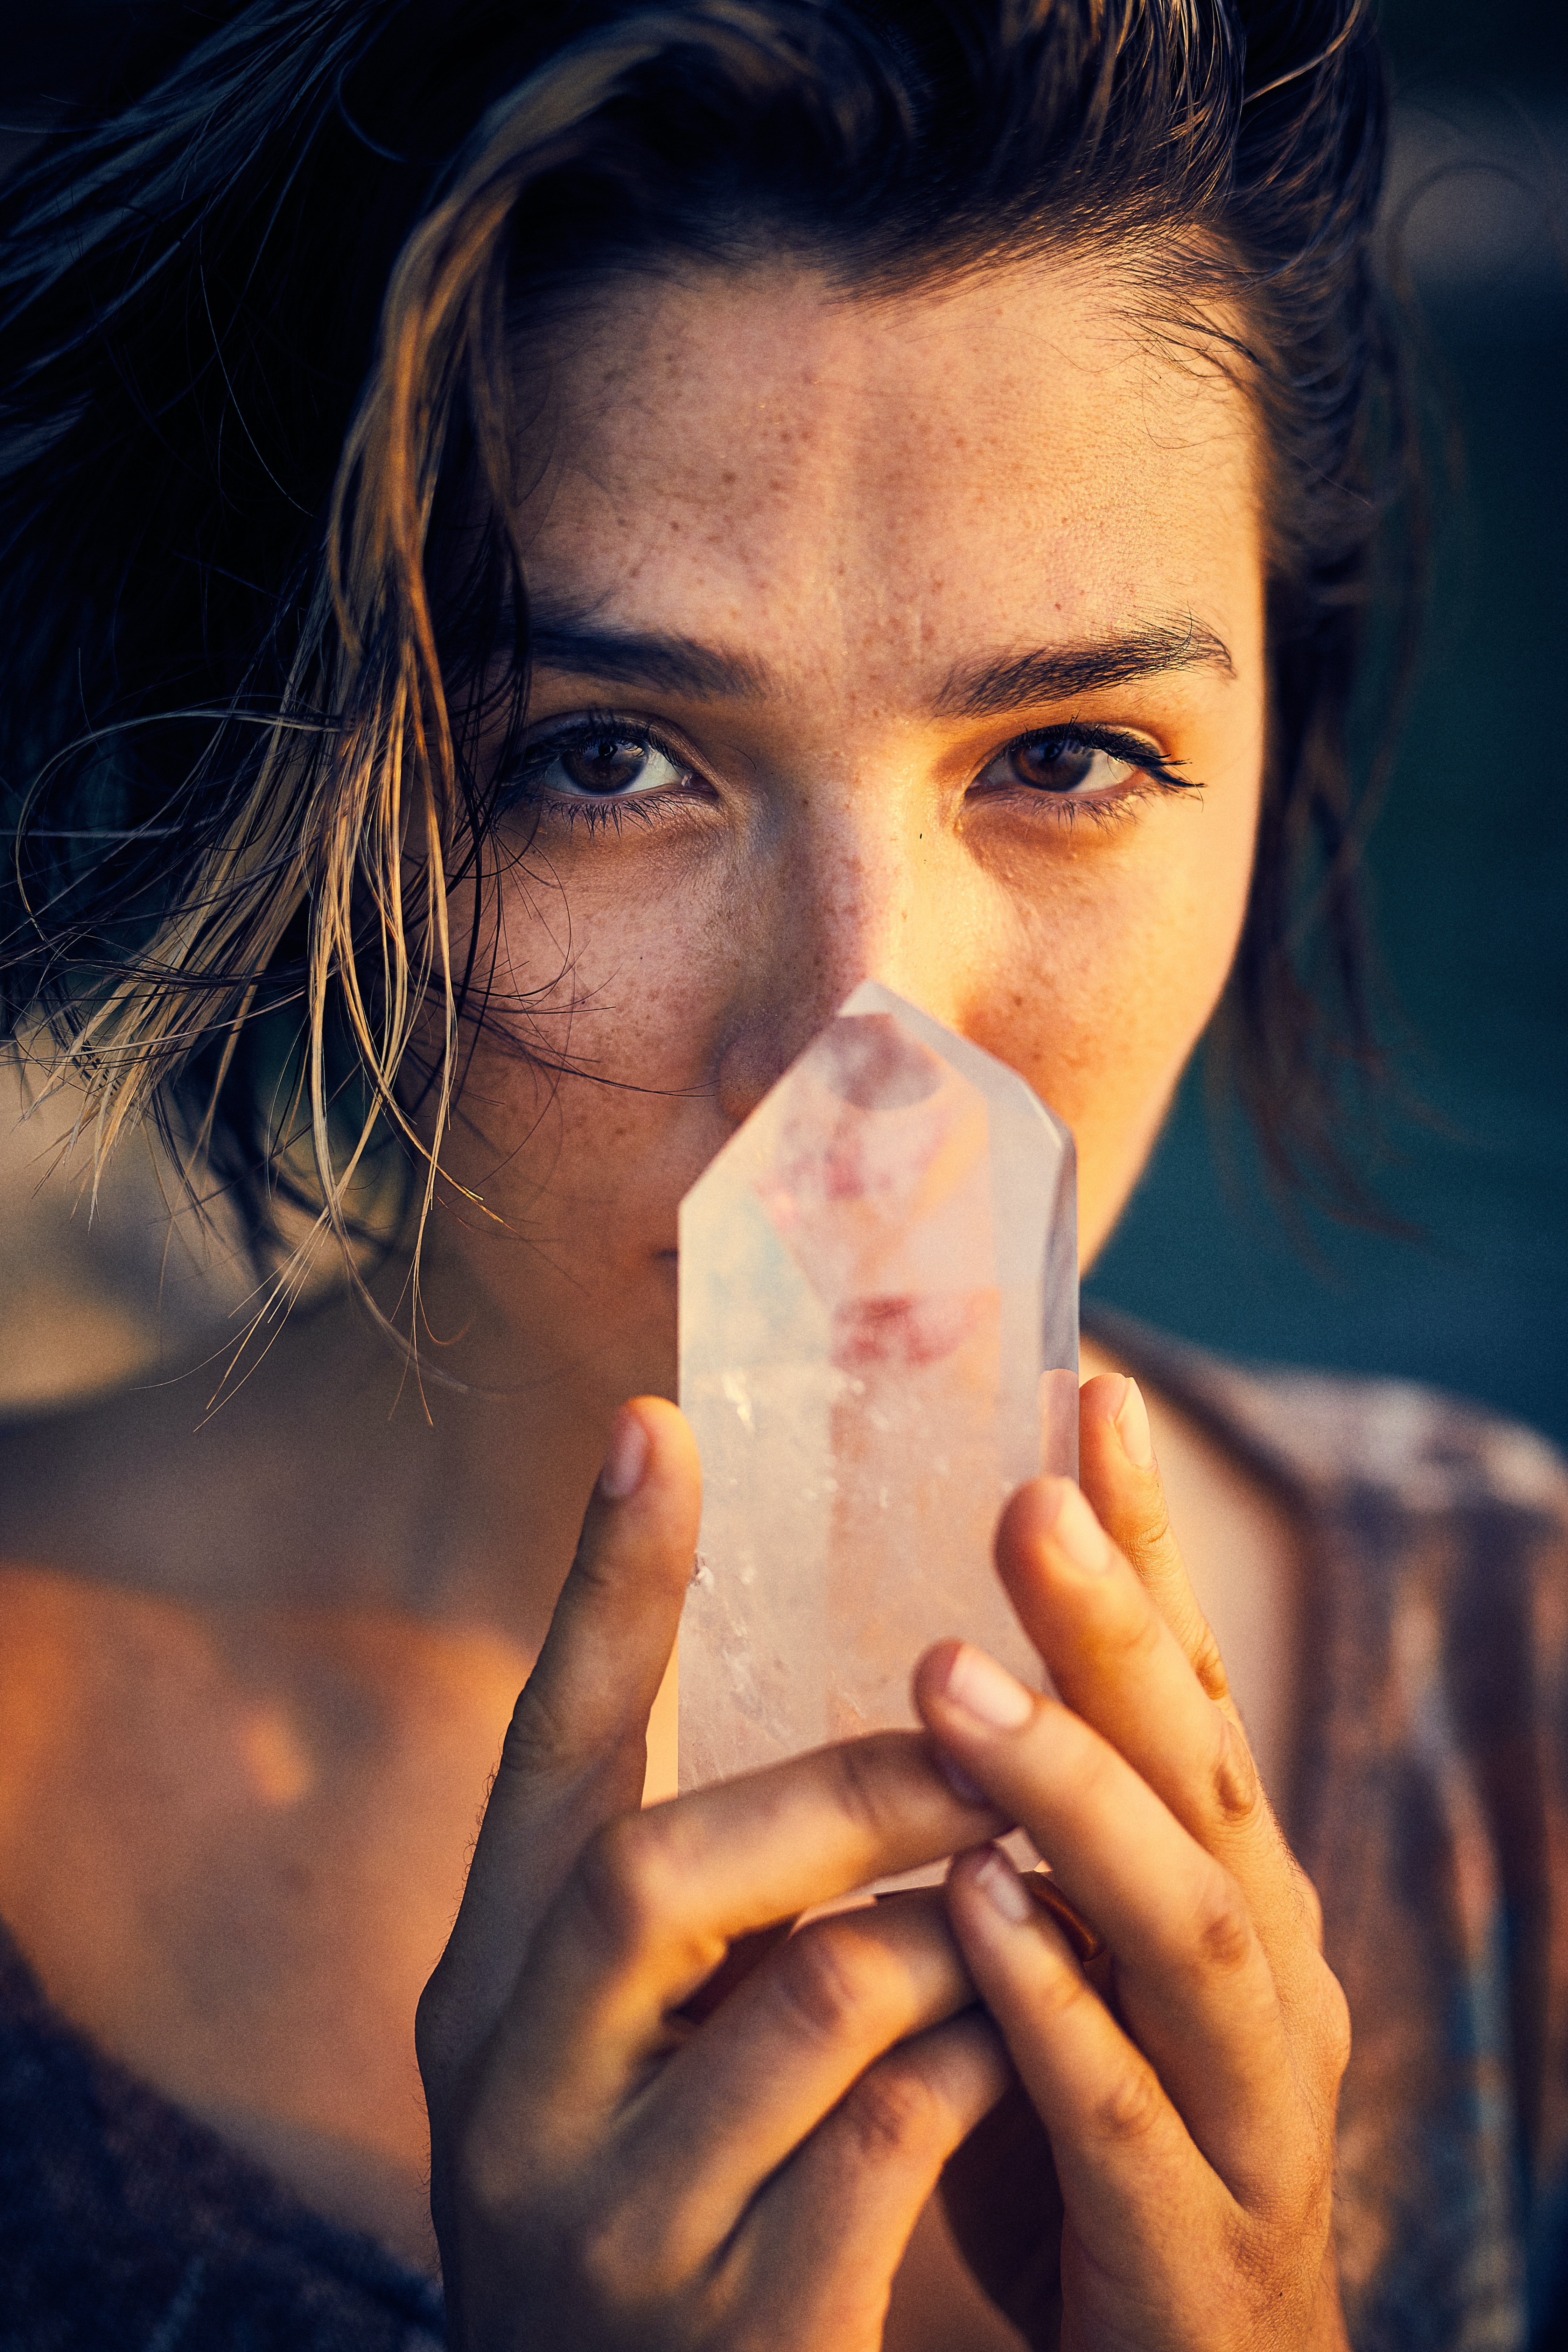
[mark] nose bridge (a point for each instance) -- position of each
(856, 890)
(857, 896)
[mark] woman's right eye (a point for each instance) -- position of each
(599, 763)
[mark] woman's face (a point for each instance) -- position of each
(919, 640)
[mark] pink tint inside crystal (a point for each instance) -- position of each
(879, 1343)
(905, 1333)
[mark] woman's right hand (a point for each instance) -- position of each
(606, 2171)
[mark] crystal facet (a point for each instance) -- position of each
(878, 1342)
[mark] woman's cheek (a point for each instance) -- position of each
(588, 1093)
(1127, 967)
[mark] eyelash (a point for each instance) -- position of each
(595, 815)
(1153, 773)
(1158, 773)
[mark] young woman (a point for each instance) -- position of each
(542, 547)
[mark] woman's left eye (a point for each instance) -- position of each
(1064, 765)
(600, 763)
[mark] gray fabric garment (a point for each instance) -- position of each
(126, 2226)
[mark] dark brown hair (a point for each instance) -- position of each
(258, 321)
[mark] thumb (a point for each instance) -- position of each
(584, 1710)
(574, 1752)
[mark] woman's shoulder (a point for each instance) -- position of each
(1338, 1440)
(1437, 1533)
(1433, 1590)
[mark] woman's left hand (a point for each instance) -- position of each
(1187, 2080)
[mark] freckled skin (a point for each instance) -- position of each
(255, 1674)
(861, 499)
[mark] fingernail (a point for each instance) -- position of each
(987, 1691)
(967, 1791)
(1077, 1532)
(626, 1459)
(1133, 1428)
(1006, 1889)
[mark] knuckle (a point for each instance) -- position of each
(828, 1980)
(1237, 1789)
(860, 1786)
(1202, 1651)
(537, 1736)
(1132, 2109)
(1336, 2027)
(1150, 1534)
(1313, 1904)
(491, 2168)
(437, 2036)
(617, 2265)
(1296, 2212)
(1132, 1629)
(1225, 1939)
(622, 1882)
(1059, 1993)
(893, 2112)
(1114, 1614)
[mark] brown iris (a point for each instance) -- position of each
(1052, 763)
(604, 763)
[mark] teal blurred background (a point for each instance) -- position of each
(1467, 864)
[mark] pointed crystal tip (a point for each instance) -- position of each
(879, 1335)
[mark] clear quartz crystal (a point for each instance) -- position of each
(878, 1342)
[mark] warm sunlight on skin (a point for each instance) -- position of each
(921, 640)
(874, 545)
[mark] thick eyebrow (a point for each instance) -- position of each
(674, 665)
(632, 657)
(1055, 673)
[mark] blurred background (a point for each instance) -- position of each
(1467, 866)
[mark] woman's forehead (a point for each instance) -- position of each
(749, 457)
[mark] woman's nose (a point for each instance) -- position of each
(873, 900)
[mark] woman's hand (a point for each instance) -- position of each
(1187, 2080)
(606, 2171)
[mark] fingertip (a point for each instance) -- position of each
(1131, 1421)
(983, 1876)
(651, 1457)
(931, 1686)
(625, 1455)
(665, 1427)
(1114, 1433)
(1004, 1903)
(638, 1539)
(932, 1672)
(1117, 1462)
(1100, 1398)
